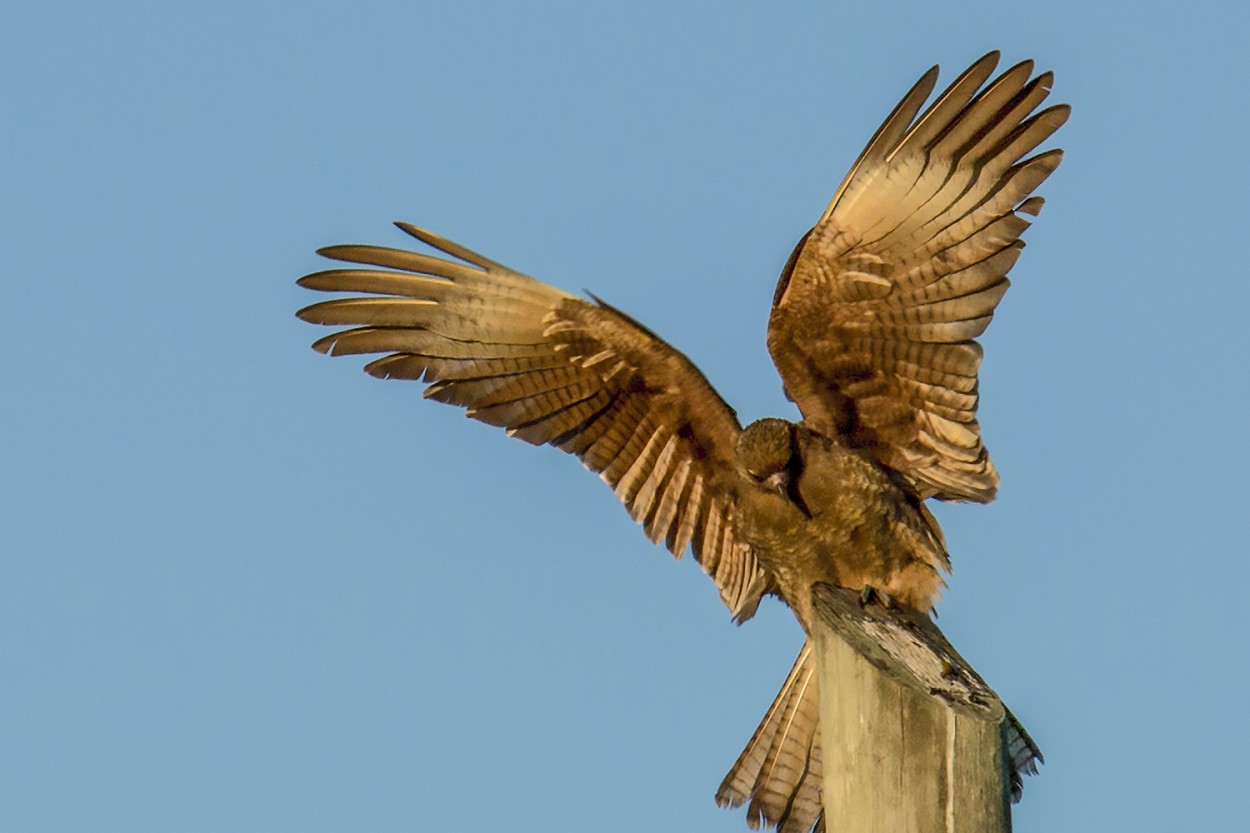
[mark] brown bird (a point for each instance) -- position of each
(871, 329)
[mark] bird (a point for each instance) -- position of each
(872, 329)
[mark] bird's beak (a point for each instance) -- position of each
(779, 482)
(783, 483)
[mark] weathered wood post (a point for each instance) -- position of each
(913, 739)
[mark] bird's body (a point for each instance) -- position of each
(872, 330)
(817, 512)
(842, 520)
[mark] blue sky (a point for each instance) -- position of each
(245, 587)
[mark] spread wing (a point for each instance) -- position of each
(553, 368)
(874, 318)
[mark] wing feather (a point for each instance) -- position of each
(875, 318)
(553, 369)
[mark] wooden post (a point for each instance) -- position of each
(913, 740)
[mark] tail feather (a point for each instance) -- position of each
(780, 769)
(1023, 755)
(787, 763)
(806, 803)
(780, 772)
(738, 785)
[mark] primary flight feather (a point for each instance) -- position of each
(872, 329)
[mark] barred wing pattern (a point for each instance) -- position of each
(553, 369)
(874, 318)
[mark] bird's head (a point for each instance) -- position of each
(766, 453)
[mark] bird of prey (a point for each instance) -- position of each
(872, 329)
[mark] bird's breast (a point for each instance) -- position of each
(860, 528)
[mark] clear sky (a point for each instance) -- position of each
(245, 587)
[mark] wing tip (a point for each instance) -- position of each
(312, 313)
(987, 63)
(336, 251)
(325, 344)
(449, 247)
(424, 235)
(1032, 206)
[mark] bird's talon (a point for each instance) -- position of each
(869, 594)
